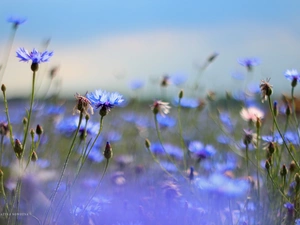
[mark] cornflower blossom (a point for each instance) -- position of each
(249, 62)
(136, 84)
(104, 100)
(251, 114)
(293, 76)
(160, 107)
(16, 21)
(34, 56)
(265, 89)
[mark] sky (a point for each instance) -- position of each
(107, 44)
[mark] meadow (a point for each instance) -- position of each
(104, 158)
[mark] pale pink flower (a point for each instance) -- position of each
(251, 114)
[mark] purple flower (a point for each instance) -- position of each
(136, 84)
(201, 151)
(292, 75)
(289, 206)
(249, 62)
(16, 21)
(34, 56)
(104, 100)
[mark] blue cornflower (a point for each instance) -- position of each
(289, 206)
(293, 76)
(104, 100)
(178, 79)
(166, 121)
(136, 84)
(34, 56)
(16, 21)
(187, 102)
(201, 151)
(249, 62)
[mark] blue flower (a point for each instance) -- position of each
(103, 99)
(292, 75)
(289, 206)
(187, 102)
(178, 79)
(34, 56)
(16, 20)
(166, 121)
(201, 151)
(249, 62)
(136, 84)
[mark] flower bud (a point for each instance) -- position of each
(267, 165)
(108, 153)
(32, 133)
(39, 130)
(18, 148)
(180, 94)
(3, 88)
(292, 167)
(24, 121)
(147, 143)
(34, 156)
(283, 171)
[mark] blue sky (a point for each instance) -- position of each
(96, 41)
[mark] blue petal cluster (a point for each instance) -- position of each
(34, 56)
(249, 62)
(105, 99)
(292, 75)
(16, 20)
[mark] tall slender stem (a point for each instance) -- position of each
(64, 167)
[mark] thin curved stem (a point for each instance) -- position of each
(64, 168)
(282, 137)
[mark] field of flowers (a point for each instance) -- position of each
(103, 158)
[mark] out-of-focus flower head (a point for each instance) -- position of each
(249, 62)
(160, 107)
(165, 81)
(83, 105)
(104, 100)
(201, 151)
(252, 114)
(187, 102)
(265, 89)
(34, 55)
(178, 79)
(293, 76)
(16, 21)
(166, 121)
(136, 84)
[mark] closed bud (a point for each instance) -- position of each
(267, 165)
(3, 88)
(108, 153)
(18, 148)
(87, 117)
(32, 133)
(180, 94)
(292, 167)
(39, 129)
(271, 147)
(25, 121)
(283, 171)
(288, 110)
(34, 156)
(147, 143)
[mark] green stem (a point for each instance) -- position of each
(186, 152)
(282, 137)
(64, 168)
(98, 185)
